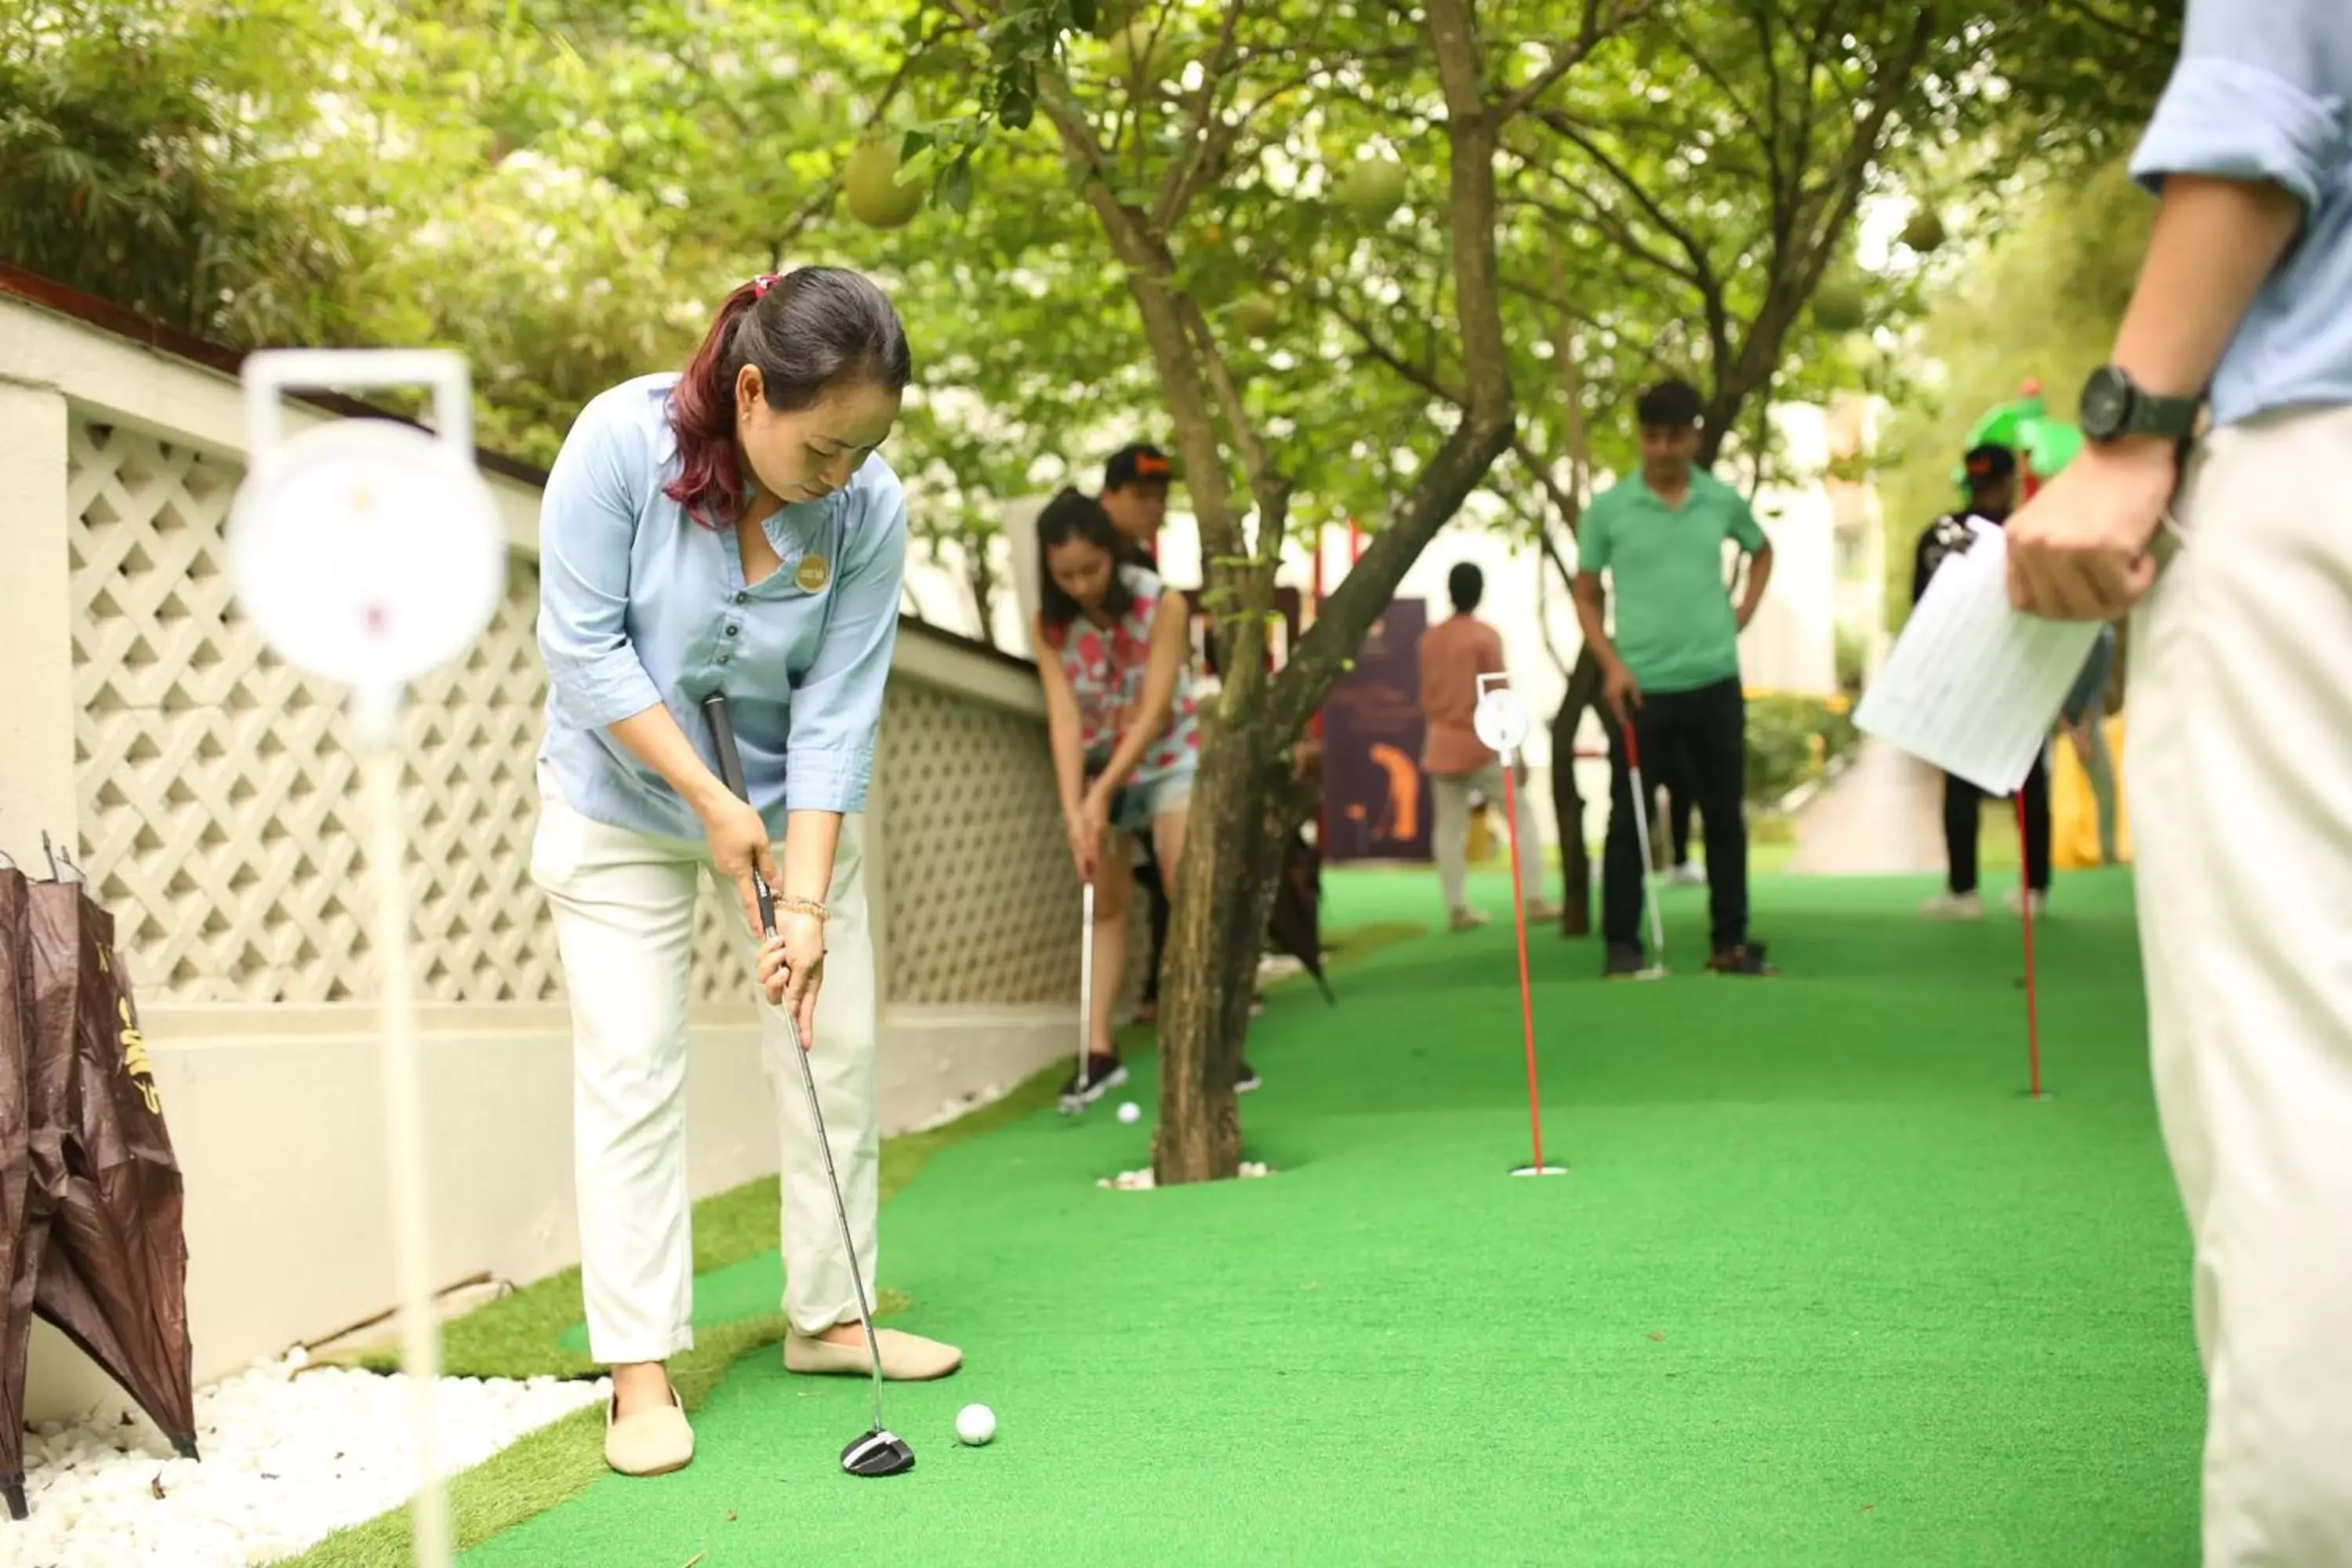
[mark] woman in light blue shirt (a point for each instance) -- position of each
(728, 529)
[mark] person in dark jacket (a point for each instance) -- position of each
(1992, 496)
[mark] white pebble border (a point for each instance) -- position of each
(1141, 1181)
(288, 1460)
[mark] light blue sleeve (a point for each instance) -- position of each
(837, 706)
(587, 520)
(1593, 534)
(2259, 93)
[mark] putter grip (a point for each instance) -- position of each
(731, 773)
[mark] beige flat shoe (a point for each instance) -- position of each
(651, 1442)
(905, 1358)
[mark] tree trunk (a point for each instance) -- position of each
(1242, 814)
(984, 587)
(1568, 803)
(1246, 798)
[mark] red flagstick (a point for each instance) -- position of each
(1519, 918)
(2025, 902)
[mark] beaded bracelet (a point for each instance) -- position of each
(801, 906)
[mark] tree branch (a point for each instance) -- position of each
(1702, 275)
(1208, 132)
(1774, 175)
(1490, 416)
(1612, 229)
(1417, 376)
(1568, 56)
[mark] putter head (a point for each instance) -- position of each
(877, 1453)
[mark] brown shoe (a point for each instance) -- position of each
(649, 1442)
(905, 1358)
(1467, 920)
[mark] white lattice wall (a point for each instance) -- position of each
(216, 786)
(984, 905)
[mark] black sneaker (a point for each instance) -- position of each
(1103, 1074)
(1748, 958)
(1623, 962)
(1247, 1080)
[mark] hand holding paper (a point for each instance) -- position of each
(1973, 685)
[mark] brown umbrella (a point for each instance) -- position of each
(18, 1234)
(114, 1279)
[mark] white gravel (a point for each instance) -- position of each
(1141, 1181)
(288, 1460)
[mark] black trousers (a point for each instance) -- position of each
(1708, 729)
(1675, 772)
(1964, 816)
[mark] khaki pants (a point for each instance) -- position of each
(1449, 831)
(2239, 770)
(624, 910)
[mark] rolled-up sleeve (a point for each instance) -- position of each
(2260, 92)
(587, 520)
(1740, 525)
(1592, 536)
(837, 706)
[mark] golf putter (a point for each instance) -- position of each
(1656, 968)
(878, 1451)
(1086, 996)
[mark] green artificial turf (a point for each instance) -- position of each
(1821, 1287)
(535, 1331)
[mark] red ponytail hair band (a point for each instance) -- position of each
(763, 282)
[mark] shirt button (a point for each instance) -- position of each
(741, 595)
(734, 631)
(722, 659)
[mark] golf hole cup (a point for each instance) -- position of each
(1500, 718)
(366, 551)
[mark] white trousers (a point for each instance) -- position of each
(2240, 782)
(1449, 830)
(624, 909)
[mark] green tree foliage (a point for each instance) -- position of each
(2040, 301)
(149, 154)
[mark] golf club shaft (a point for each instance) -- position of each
(1642, 836)
(730, 770)
(1086, 985)
(841, 1208)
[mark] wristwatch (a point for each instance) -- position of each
(2114, 406)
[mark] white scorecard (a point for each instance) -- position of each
(1501, 716)
(1972, 685)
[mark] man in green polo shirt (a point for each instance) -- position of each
(1673, 664)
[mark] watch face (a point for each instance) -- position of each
(2107, 403)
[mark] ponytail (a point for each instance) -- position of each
(710, 484)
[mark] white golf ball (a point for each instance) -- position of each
(975, 1425)
(1129, 1111)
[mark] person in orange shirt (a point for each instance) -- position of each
(1453, 655)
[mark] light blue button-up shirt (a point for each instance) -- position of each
(639, 604)
(2264, 91)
